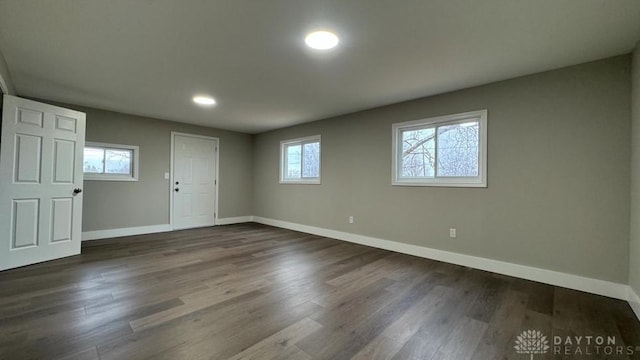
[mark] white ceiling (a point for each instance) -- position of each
(149, 57)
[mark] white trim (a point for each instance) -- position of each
(234, 220)
(135, 162)
(634, 301)
(171, 181)
(217, 176)
(4, 88)
(477, 181)
(176, 228)
(301, 141)
(217, 182)
(576, 282)
(152, 229)
(111, 233)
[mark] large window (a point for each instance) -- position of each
(110, 162)
(300, 161)
(444, 151)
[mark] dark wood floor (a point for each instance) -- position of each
(256, 292)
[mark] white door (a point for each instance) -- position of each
(194, 181)
(40, 182)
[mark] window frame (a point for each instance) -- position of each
(134, 176)
(434, 122)
(283, 155)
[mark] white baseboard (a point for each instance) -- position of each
(634, 301)
(234, 220)
(138, 230)
(594, 286)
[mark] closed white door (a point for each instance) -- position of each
(193, 181)
(40, 182)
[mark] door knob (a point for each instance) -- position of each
(77, 191)
(176, 189)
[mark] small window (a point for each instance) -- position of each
(444, 151)
(300, 161)
(110, 162)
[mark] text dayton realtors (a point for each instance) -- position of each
(590, 345)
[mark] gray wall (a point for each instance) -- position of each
(634, 253)
(118, 204)
(558, 174)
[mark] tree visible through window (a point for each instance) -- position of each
(107, 161)
(300, 160)
(457, 150)
(110, 162)
(441, 151)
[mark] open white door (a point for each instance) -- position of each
(194, 179)
(40, 182)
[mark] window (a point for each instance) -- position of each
(443, 151)
(110, 162)
(300, 161)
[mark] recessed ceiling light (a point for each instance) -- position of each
(321, 40)
(204, 100)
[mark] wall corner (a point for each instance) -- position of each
(634, 233)
(6, 85)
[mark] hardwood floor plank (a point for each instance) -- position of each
(486, 304)
(506, 323)
(463, 340)
(279, 343)
(69, 340)
(174, 334)
(389, 342)
(294, 353)
(374, 325)
(88, 354)
(437, 329)
(190, 303)
(236, 336)
(343, 308)
(22, 331)
(376, 270)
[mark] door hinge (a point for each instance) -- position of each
(215, 182)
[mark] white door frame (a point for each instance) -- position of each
(216, 179)
(6, 87)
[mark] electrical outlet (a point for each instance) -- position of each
(166, 176)
(351, 220)
(452, 233)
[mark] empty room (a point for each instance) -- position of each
(286, 179)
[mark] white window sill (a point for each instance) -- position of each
(300, 182)
(108, 178)
(440, 184)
